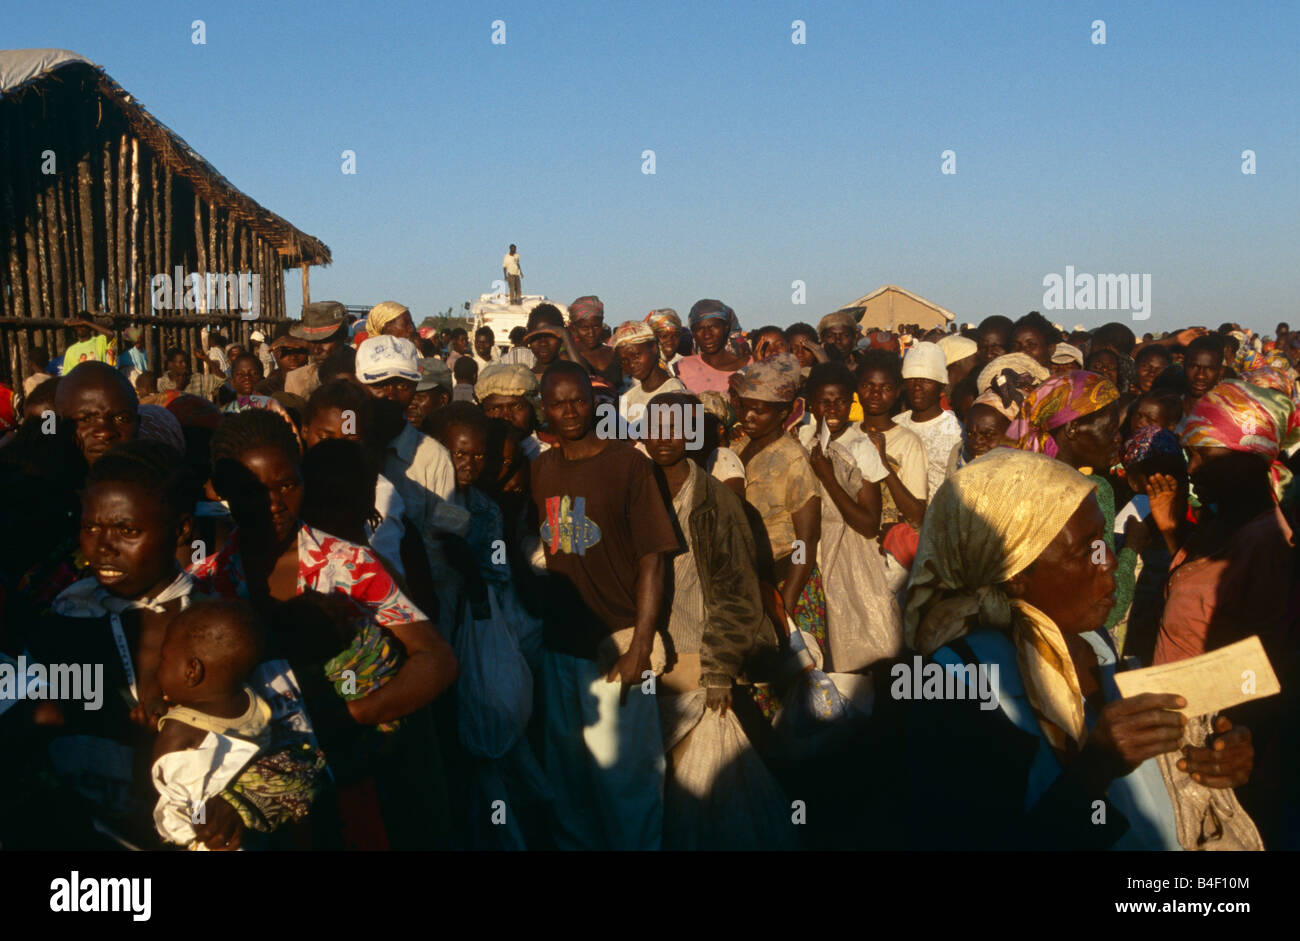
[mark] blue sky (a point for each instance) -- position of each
(774, 162)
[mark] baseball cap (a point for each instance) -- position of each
(387, 357)
(433, 373)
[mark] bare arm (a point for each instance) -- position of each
(429, 669)
(808, 530)
(632, 666)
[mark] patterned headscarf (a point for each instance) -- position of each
(1009, 408)
(587, 307)
(1057, 402)
(773, 380)
(1149, 441)
(708, 308)
(1244, 417)
(381, 315)
(632, 331)
(988, 522)
(158, 424)
(663, 317)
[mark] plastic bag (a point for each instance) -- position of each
(494, 694)
(527, 629)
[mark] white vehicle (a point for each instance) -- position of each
(496, 311)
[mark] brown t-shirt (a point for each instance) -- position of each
(598, 517)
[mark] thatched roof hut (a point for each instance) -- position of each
(98, 197)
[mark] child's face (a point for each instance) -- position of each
(128, 538)
(1149, 413)
(831, 404)
(468, 449)
(877, 392)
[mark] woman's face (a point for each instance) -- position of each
(985, 427)
(669, 338)
(1073, 580)
(989, 346)
(468, 449)
(1105, 363)
(278, 489)
(1031, 342)
(877, 391)
(638, 360)
(1096, 439)
(178, 365)
(128, 539)
(759, 418)
(402, 326)
(710, 335)
(586, 333)
(770, 344)
(545, 348)
(831, 404)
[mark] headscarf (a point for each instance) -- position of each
(926, 361)
(1009, 408)
(632, 331)
(1244, 417)
(989, 521)
(506, 379)
(1056, 403)
(1019, 363)
(957, 347)
(709, 308)
(381, 315)
(158, 424)
(587, 307)
(772, 380)
(663, 317)
(1150, 441)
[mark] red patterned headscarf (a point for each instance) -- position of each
(1057, 402)
(1244, 417)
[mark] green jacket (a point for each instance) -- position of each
(738, 636)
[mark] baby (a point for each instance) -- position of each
(216, 724)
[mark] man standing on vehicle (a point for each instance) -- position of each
(510, 267)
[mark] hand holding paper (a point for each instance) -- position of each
(1211, 682)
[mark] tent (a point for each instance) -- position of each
(889, 306)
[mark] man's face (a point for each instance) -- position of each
(396, 389)
(831, 404)
(1292, 348)
(460, 343)
(839, 341)
(638, 360)
(319, 349)
(667, 439)
(568, 406)
(877, 392)
(468, 448)
(292, 357)
(1204, 369)
(586, 332)
(483, 346)
(1149, 369)
(100, 411)
(424, 402)
(516, 409)
(178, 365)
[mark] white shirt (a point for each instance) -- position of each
(854, 440)
(521, 355)
(386, 538)
(638, 397)
(511, 263)
(938, 435)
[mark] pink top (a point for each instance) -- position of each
(1242, 589)
(698, 376)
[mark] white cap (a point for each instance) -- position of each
(257, 336)
(925, 361)
(387, 357)
(957, 347)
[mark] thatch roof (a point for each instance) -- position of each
(23, 71)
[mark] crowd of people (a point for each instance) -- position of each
(368, 586)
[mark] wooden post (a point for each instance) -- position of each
(122, 195)
(306, 283)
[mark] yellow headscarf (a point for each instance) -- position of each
(381, 315)
(987, 523)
